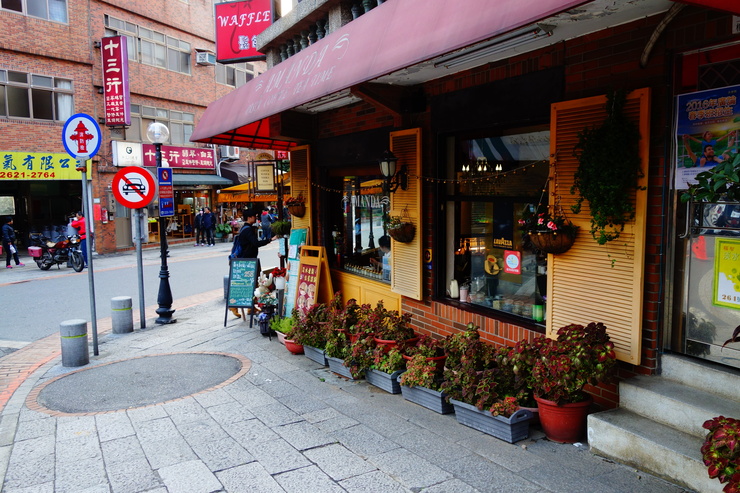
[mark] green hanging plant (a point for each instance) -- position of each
(609, 171)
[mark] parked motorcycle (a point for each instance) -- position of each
(46, 252)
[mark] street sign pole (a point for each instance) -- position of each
(82, 166)
(140, 265)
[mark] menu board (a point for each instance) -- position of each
(243, 275)
(297, 238)
(313, 279)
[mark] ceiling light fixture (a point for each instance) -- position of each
(497, 45)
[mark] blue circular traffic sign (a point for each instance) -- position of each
(81, 136)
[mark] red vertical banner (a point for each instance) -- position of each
(115, 81)
(237, 26)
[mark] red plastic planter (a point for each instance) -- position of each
(564, 423)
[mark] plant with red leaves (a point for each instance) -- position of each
(721, 452)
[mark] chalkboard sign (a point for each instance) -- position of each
(243, 276)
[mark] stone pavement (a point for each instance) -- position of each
(283, 423)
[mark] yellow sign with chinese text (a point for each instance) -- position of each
(39, 166)
(727, 273)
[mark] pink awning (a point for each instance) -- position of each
(392, 36)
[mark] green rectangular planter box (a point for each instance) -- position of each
(315, 354)
(337, 366)
(428, 398)
(511, 429)
(385, 381)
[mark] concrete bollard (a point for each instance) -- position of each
(74, 343)
(122, 315)
(226, 286)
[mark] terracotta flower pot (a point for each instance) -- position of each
(388, 344)
(564, 423)
(437, 360)
(290, 344)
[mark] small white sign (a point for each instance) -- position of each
(127, 153)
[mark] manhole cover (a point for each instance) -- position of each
(139, 382)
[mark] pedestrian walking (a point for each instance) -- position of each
(266, 222)
(198, 226)
(209, 226)
(9, 244)
(249, 241)
(78, 223)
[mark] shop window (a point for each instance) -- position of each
(361, 243)
(53, 10)
(25, 95)
(492, 180)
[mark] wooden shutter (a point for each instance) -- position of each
(592, 282)
(406, 258)
(300, 184)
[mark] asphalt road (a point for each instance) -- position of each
(35, 302)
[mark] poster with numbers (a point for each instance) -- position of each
(726, 273)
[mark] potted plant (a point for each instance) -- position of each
(281, 228)
(421, 383)
(296, 206)
(309, 329)
(401, 229)
(579, 356)
(478, 380)
(609, 171)
(338, 355)
(222, 231)
(392, 328)
(278, 277)
(283, 325)
(548, 232)
(430, 348)
(385, 368)
(721, 451)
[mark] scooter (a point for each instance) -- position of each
(46, 252)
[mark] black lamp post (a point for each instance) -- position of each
(158, 134)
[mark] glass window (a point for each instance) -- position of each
(45, 98)
(142, 116)
(493, 180)
(53, 10)
(235, 75)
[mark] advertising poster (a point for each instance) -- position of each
(237, 26)
(726, 290)
(707, 124)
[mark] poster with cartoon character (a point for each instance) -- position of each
(707, 124)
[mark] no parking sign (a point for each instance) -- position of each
(134, 187)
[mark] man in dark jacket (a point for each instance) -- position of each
(208, 224)
(248, 236)
(9, 244)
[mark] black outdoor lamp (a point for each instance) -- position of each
(393, 179)
(158, 134)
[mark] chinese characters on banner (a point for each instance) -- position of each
(115, 81)
(727, 273)
(237, 26)
(180, 157)
(306, 293)
(707, 131)
(38, 166)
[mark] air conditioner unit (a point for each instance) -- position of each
(229, 152)
(205, 58)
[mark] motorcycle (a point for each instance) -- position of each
(46, 252)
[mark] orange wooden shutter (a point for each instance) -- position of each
(592, 282)
(406, 258)
(300, 184)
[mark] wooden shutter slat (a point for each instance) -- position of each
(583, 285)
(406, 258)
(300, 184)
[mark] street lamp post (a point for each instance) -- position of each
(158, 134)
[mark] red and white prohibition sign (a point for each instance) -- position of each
(134, 187)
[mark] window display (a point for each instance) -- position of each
(495, 180)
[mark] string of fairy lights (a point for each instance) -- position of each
(477, 176)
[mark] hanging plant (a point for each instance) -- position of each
(609, 171)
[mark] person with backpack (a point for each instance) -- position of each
(247, 243)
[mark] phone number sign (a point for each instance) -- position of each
(38, 166)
